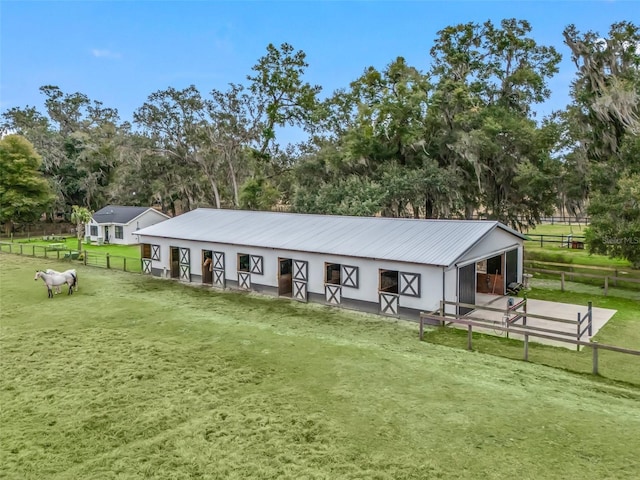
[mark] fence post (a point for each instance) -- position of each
(526, 347)
(606, 285)
(108, 261)
(421, 327)
(541, 240)
(562, 282)
(469, 337)
(84, 258)
(124, 264)
(615, 277)
(578, 333)
(590, 313)
(594, 346)
(20, 249)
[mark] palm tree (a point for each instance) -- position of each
(80, 216)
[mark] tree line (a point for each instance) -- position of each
(458, 140)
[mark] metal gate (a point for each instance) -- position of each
(466, 287)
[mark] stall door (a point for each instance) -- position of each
(466, 287)
(185, 264)
(512, 267)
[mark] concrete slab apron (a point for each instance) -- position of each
(566, 311)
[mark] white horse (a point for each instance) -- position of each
(67, 273)
(55, 280)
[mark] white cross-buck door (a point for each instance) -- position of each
(349, 276)
(244, 280)
(146, 265)
(300, 290)
(185, 264)
(300, 278)
(410, 284)
(333, 294)
(389, 303)
(218, 260)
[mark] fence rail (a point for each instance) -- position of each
(87, 257)
(526, 332)
(605, 279)
(564, 241)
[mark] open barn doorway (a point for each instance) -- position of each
(207, 267)
(285, 277)
(490, 275)
(175, 262)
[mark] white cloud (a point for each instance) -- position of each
(104, 53)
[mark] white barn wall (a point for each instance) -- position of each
(431, 279)
(496, 242)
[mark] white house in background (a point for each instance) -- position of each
(392, 266)
(118, 224)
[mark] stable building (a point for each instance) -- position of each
(391, 266)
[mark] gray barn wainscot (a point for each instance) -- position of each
(391, 266)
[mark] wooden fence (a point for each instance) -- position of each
(527, 332)
(605, 281)
(60, 252)
(563, 241)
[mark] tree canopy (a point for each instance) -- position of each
(460, 139)
(24, 192)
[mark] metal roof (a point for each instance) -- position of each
(431, 242)
(119, 214)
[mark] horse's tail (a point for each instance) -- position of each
(75, 280)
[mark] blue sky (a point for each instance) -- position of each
(121, 52)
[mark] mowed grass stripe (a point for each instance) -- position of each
(134, 377)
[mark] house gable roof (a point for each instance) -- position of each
(431, 242)
(119, 214)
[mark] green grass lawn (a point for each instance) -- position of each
(136, 377)
(71, 243)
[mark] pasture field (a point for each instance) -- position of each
(135, 377)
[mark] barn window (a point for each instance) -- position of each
(93, 230)
(332, 273)
(119, 232)
(388, 281)
(243, 262)
(146, 250)
(337, 274)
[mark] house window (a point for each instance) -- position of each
(243, 262)
(94, 230)
(388, 281)
(119, 232)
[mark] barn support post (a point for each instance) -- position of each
(421, 327)
(469, 337)
(441, 313)
(594, 346)
(590, 313)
